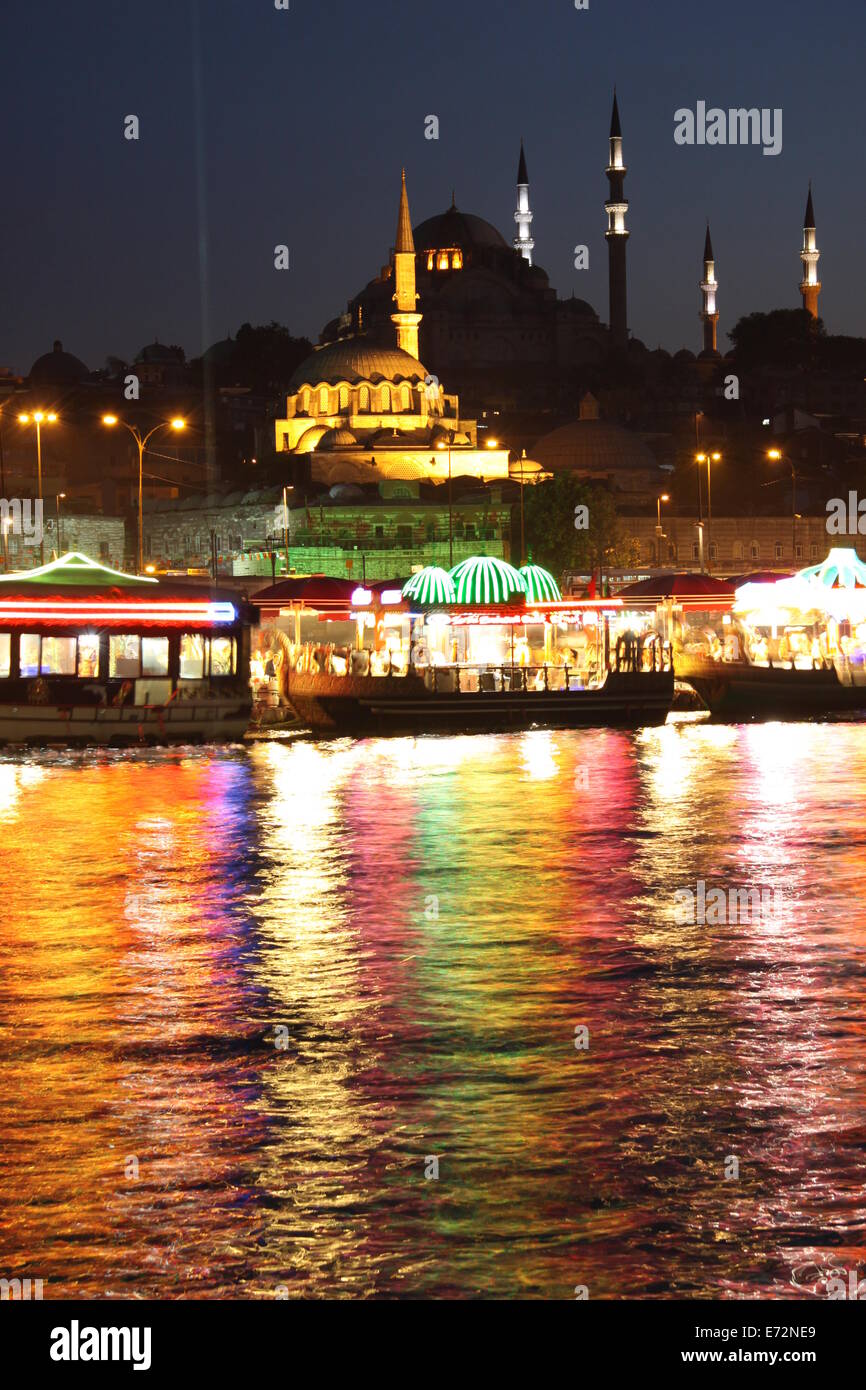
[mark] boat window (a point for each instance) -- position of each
(223, 656)
(191, 656)
(88, 654)
(28, 654)
(124, 655)
(58, 656)
(5, 653)
(154, 656)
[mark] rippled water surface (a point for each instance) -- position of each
(247, 995)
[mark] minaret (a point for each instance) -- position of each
(617, 236)
(523, 217)
(406, 319)
(709, 285)
(810, 286)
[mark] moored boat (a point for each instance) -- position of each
(89, 655)
(492, 648)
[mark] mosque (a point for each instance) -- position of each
(360, 410)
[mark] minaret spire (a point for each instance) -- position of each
(810, 285)
(709, 285)
(523, 217)
(406, 319)
(616, 235)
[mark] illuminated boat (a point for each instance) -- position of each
(482, 647)
(793, 647)
(89, 655)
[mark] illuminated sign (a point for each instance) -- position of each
(115, 611)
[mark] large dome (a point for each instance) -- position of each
(591, 445)
(58, 368)
(459, 229)
(355, 360)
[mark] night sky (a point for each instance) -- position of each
(261, 126)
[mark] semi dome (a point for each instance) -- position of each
(457, 229)
(58, 368)
(355, 360)
(485, 579)
(310, 439)
(336, 439)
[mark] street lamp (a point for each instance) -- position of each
(709, 460)
(659, 532)
(39, 418)
(176, 424)
(60, 498)
(443, 445)
(776, 456)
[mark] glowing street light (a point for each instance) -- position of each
(659, 532)
(39, 418)
(443, 445)
(709, 460)
(175, 424)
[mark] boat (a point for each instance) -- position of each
(93, 656)
(795, 648)
(492, 648)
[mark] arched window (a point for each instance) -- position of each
(457, 260)
(738, 550)
(430, 261)
(405, 398)
(754, 550)
(364, 399)
(344, 398)
(324, 400)
(386, 398)
(443, 260)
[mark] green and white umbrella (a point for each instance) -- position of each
(431, 585)
(484, 579)
(541, 587)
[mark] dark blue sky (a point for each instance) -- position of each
(304, 118)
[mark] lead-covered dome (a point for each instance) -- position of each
(457, 229)
(58, 368)
(355, 360)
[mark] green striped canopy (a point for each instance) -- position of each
(430, 585)
(484, 579)
(540, 584)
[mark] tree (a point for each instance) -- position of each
(552, 538)
(782, 338)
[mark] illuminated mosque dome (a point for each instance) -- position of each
(357, 360)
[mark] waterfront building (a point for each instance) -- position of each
(369, 533)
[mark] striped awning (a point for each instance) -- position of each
(485, 579)
(541, 587)
(431, 585)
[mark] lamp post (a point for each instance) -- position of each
(141, 441)
(776, 456)
(709, 460)
(39, 418)
(443, 445)
(60, 498)
(659, 532)
(286, 525)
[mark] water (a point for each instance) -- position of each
(247, 994)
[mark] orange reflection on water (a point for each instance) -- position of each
(284, 978)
